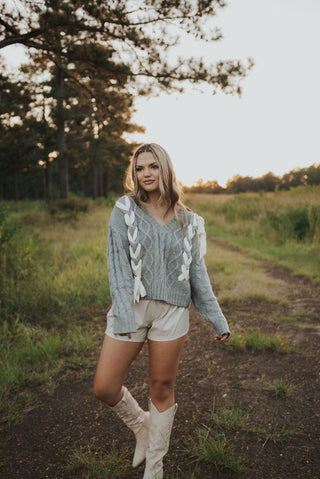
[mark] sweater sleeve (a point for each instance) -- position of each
(120, 274)
(201, 291)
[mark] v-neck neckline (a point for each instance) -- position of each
(157, 222)
(147, 213)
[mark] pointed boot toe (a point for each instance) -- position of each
(142, 438)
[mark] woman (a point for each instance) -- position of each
(155, 266)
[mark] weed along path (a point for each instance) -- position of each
(247, 409)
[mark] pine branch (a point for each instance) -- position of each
(17, 37)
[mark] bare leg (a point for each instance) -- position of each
(164, 362)
(115, 359)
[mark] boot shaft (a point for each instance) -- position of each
(159, 439)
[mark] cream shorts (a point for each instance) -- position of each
(155, 320)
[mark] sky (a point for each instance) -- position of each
(274, 126)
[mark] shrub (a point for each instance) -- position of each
(7, 230)
(299, 222)
(16, 249)
(290, 224)
(314, 222)
(68, 210)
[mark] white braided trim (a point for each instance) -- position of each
(129, 219)
(196, 227)
(133, 237)
(124, 206)
(186, 256)
(202, 238)
(134, 248)
(135, 254)
(184, 276)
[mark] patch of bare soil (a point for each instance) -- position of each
(42, 443)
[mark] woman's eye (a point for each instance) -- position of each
(155, 167)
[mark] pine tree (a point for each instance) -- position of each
(126, 44)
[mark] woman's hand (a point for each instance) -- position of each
(221, 337)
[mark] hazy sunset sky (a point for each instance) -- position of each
(274, 126)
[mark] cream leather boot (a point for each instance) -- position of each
(159, 438)
(138, 421)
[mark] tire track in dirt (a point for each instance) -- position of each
(42, 443)
(303, 295)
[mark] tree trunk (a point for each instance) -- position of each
(100, 182)
(62, 160)
(16, 186)
(47, 181)
(95, 182)
(105, 183)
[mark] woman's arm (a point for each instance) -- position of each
(202, 295)
(120, 274)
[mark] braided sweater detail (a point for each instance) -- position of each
(152, 261)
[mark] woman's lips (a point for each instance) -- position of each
(148, 182)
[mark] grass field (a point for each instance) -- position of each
(54, 273)
(54, 296)
(283, 227)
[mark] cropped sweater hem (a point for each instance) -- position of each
(170, 297)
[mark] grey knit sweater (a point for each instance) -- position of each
(152, 261)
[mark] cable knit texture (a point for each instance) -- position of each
(152, 261)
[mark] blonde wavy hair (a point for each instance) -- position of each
(170, 193)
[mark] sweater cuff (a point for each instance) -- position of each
(124, 322)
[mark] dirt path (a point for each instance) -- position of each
(42, 443)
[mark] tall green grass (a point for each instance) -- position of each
(53, 285)
(283, 226)
(54, 270)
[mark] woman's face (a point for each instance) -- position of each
(147, 172)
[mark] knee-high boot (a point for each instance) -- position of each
(138, 421)
(159, 438)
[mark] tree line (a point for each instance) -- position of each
(66, 114)
(269, 182)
